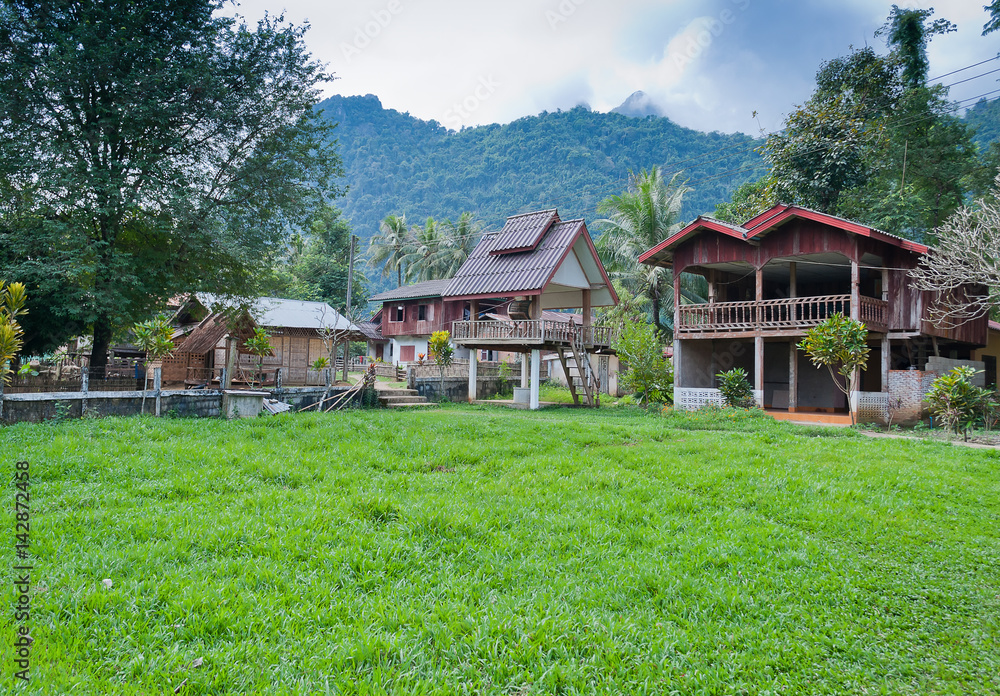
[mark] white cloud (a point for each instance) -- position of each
(709, 63)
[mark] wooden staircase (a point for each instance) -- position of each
(402, 398)
(583, 383)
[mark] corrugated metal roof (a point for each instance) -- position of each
(513, 273)
(427, 288)
(277, 312)
(522, 232)
(372, 331)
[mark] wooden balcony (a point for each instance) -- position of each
(528, 334)
(788, 317)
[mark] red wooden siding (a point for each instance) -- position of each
(909, 310)
(439, 317)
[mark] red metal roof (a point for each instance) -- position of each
(522, 232)
(526, 273)
(765, 222)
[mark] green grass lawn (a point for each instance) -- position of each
(475, 550)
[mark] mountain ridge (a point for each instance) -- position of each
(399, 164)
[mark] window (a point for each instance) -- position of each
(406, 353)
(397, 313)
(422, 312)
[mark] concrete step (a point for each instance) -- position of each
(388, 400)
(423, 404)
(396, 392)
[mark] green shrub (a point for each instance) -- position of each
(736, 389)
(956, 402)
(649, 374)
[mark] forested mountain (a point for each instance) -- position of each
(985, 118)
(398, 164)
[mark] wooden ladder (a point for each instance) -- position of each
(570, 379)
(584, 372)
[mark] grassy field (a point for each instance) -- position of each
(480, 551)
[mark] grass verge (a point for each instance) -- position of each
(479, 550)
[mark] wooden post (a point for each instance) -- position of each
(793, 281)
(473, 356)
(347, 357)
(758, 364)
(855, 290)
(230, 362)
(758, 313)
(157, 383)
(886, 362)
(711, 285)
(84, 387)
(536, 369)
(885, 286)
(587, 308)
(793, 377)
(277, 383)
(677, 301)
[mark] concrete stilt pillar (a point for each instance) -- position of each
(473, 374)
(536, 370)
(524, 370)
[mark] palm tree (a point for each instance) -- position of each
(460, 238)
(638, 219)
(423, 255)
(389, 247)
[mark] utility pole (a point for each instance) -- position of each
(350, 284)
(902, 182)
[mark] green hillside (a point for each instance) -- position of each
(570, 160)
(985, 118)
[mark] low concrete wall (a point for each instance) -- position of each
(200, 403)
(457, 388)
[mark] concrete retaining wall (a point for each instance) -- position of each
(200, 403)
(457, 388)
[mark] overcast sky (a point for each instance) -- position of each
(708, 64)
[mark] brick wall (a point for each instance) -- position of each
(906, 394)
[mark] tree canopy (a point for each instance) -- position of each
(155, 148)
(875, 142)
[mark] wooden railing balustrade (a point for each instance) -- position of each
(777, 315)
(530, 331)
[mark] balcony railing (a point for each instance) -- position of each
(793, 314)
(530, 332)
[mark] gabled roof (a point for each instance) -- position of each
(522, 232)
(372, 331)
(414, 291)
(760, 225)
(205, 336)
(522, 258)
(277, 312)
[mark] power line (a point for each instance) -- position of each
(982, 62)
(974, 77)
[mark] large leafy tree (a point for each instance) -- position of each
(317, 266)
(638, 219)
(157, 147)
(875, 142)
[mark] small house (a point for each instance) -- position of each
(783, 272)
